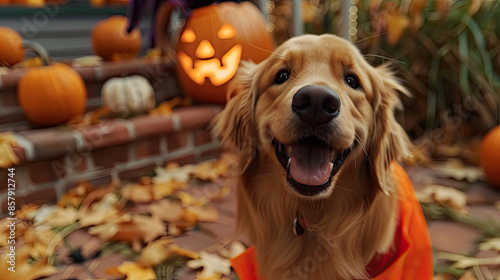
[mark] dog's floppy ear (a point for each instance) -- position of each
(390, 142)
(235, 124)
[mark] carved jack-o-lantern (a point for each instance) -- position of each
(214, 41)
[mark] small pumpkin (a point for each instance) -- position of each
(12, 50)
(490, 156)
(111, 41)
(129, 95)
(213, 42)
(51, 94)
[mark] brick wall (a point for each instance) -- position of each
(52, 160)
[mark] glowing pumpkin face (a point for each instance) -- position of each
(212, 44)
(205, 64)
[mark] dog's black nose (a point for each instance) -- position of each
(316, 105)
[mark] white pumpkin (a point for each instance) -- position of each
(129, 95)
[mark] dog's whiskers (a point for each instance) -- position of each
(385, 58)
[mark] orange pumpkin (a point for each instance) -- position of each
(111, 41)
(490, 156)
(11, 51)
(52, 95)
(213, 42)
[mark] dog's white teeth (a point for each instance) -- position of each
(331, 166)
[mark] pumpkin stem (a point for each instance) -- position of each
(38, 50)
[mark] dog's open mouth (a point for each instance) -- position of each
(310, 164)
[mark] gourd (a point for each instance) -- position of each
(129, 95)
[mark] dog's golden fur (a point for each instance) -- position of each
(356, 217)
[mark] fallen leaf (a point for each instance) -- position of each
(235, 248)
(104, 231)
(173, 172)
(188, 200)
(207, 214)
(138, 193)
(166, 107)
(212, 265)
(166, 210)
(463, 262)
(134, 271)
(200, 276)
(38, 238)
(91, 60)
(25, 269)
(59, 217)
(140, 229)
(27, 211)
(456, 170)
(160, 250)
(162, 190)
(492, 244)
(443, 195)
(76, 195)
(8, 157)
(107, 209)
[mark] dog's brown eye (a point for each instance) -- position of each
(282, 77)
(352, 81)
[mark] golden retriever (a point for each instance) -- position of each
(315, 128)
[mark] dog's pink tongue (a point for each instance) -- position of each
(309, 164)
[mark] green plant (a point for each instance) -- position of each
(448, 54)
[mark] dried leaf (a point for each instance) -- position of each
(463, 262)
(161, 250)
(59, 217)
(166, 108)
(105, 210)
(161, 190)
(134, 271)
(8, 157)
(105, 231)
(38, 239)
(207, 214)
(172, 172)
(456, 170)
(492, 244)
(140, 229)
(76, 195)
(235, 248)
(138, 193)
(212, 265)
(443, 195)
(189, 200)
(166, 210)
(25, 269)
(91, 60)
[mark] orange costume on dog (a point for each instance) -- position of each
(411, 258)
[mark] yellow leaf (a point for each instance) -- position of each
(60, 217)
(91, 60)
(463, 262)
(203, 214)
(492, 244)
(138, 193)
(134, 271)
(76, 195)
(456, 170)
(166, 210)
(235, 248)
(160, 250)
(443, 195)
(212, 265)
(161, 190)
(25, 270)
(166, 108)
(7, 156)
(189, 200)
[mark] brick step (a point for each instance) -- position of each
(56, 159)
